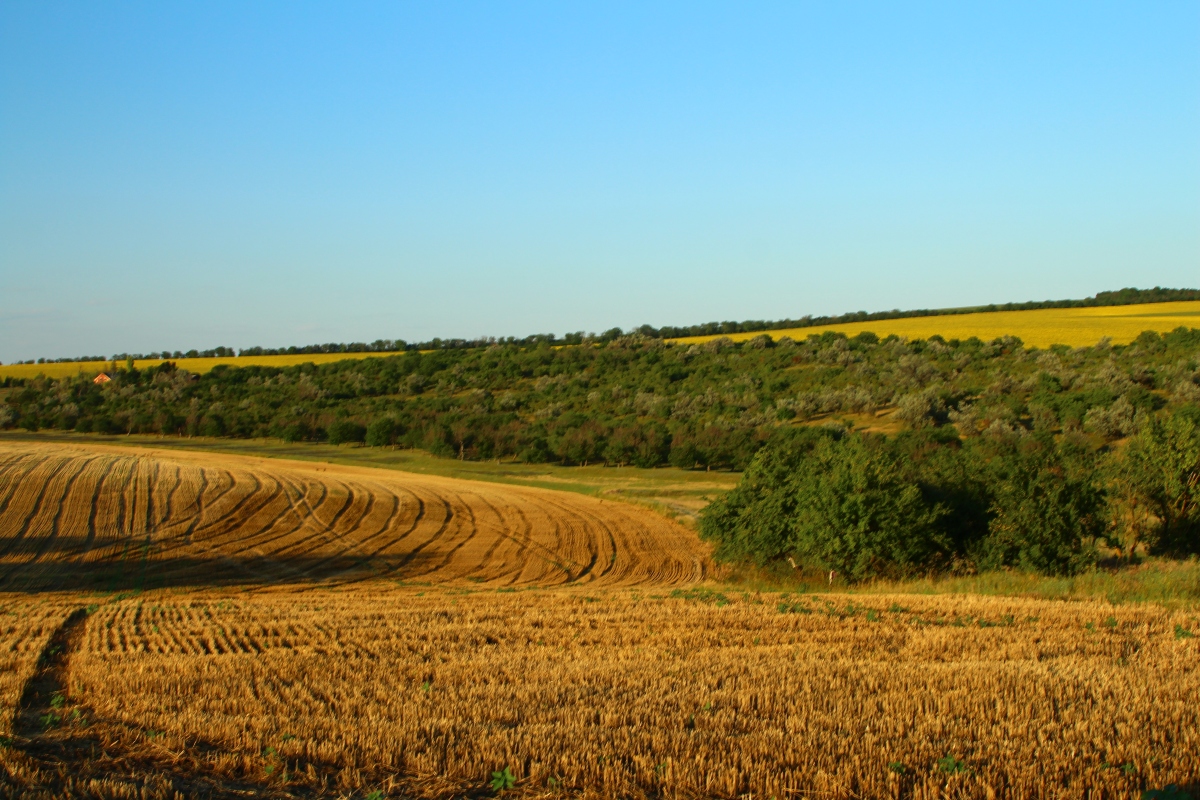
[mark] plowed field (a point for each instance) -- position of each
(106, 518)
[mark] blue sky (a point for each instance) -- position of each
(187, 175)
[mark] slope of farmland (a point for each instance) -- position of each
(108, 518)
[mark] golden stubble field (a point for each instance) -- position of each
(638, 681)
(389, 691)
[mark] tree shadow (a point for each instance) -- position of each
(57, 568)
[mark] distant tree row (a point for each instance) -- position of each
(1128, 296)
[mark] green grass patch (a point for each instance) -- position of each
(666, 489)
(1170, 583)
(702, 594)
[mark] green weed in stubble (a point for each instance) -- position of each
(801, 607)
(702, 595)
(503, 779)
(951, 765)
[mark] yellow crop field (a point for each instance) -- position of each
(178, 624)
(196, 365)
(1077, 327)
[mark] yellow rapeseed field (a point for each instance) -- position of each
(1077, 327)
(196, 365)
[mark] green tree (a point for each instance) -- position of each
(1047, 510)
(860, 510)
(845, 502)
(345, 431)
(1162, 468)
(382, 432)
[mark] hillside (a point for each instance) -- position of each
(635, 401)
(1043, 328)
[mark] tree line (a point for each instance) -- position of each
(1127, 296)
(928, 501)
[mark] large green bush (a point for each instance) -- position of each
(1047, 510)
(868, 506)
(1161, 472)
(843, 502)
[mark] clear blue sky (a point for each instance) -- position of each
(177, 175)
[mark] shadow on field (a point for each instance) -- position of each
(58, 567)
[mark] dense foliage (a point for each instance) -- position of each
(635, 400)
(927, 500)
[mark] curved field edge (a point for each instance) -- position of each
(108, 517)
(676, 493)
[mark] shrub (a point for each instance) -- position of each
(344, 431)
(833, 501)
(1162, 468)
(861, 512)
(292, 432)
(382, 432)
(1047, 511)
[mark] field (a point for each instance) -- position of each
(678, 493)
(1077, 327)
(393, 691)
(183, 624)
(196, 365)
(112, 518)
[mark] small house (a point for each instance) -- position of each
(102, 378)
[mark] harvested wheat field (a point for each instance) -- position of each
(110, 518)
(391, 692)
